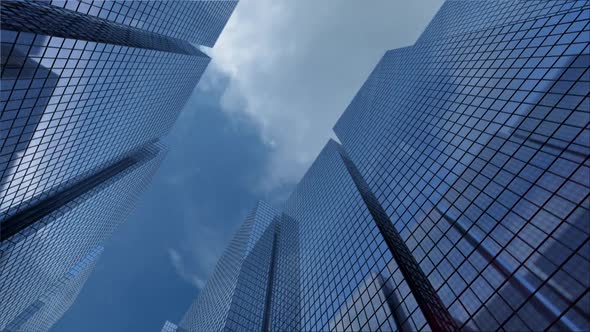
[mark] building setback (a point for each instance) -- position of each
(48, 309)
(88, 88)
(459, 198)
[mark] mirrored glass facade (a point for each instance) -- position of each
(47, 310)
(199, 22)
(36, 259)
(255, 284)
(245, 262)
(475, 142)
(459, 196)
(72, 105)
(87, 90)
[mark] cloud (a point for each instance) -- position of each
(181, 269)
(198, 249)
(294, 66)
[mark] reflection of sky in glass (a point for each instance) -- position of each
(469, 142)
(82, 108)
(221, 299)
(474, 142)
(49, 308)
(340, 248)
(58, 241)
(12, 156)
(96, 110)
(199, 22)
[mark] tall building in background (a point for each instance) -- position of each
(238, 285)
(52, 305)
(87, 90)
(240, 294)
(458, 198)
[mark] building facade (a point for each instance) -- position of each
(458, 198)
(49, 308)
(235, 292)
(87, 90)
(35, 259)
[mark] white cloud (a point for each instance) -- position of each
(181, 269)
(295, 65)
(201, 245)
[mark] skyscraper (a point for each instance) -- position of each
(35, 259)
(459, 195)
(81, 91)
(246, 260)
(48, 309)
(88, 88)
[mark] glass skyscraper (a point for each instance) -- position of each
(457, 199)
(48, 309)
(235, 293)
(87, 90)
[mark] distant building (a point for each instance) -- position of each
(87, 90)
(170, 327)
(48, 309)
(459, 198)
(235, 293)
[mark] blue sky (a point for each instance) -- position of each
(282, 73)
(143, 277)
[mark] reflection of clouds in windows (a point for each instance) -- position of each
(199, 22)
(52, 127)
(90, 115)
(540, 81)
(37, 256)
(21, 134)
(496, 114)
(42, 314)
(370, 312)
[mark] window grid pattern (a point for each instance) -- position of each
(169, 327)
(368, 301)
(68, 102)
(199, 22)
(285, 297)
(248, 302)
(83, 92)
(459, 17)
(477, 147)
(44, 19)
(211, 309)
(34, 259)
(46, 311)
(340, 248)
(475, 143)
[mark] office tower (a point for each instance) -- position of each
(43, 313)
(88, 88)
(170, 327)
(458, 198)
(478, 152)
(34, 260)
(244, 263)
(198, 22)
(343, 254)
(81, 91)
(257, 263)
